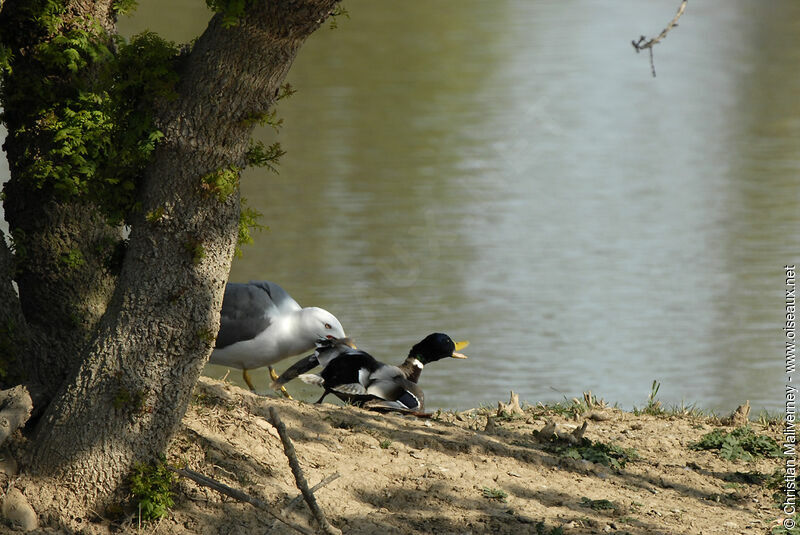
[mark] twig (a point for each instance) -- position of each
(302, 484)
(297, 499)
(238, 495)
(642, 43)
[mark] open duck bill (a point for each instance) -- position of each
(459, 346)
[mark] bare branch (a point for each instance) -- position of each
(302, 484)
(238, 495)
(643, 43)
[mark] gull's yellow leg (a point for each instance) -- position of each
(274, 377)
(248, 381)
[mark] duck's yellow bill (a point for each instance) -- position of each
(459, 346)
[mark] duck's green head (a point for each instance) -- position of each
(437, 346)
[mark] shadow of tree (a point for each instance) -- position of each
(251, 457)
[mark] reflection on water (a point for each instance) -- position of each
(509, 172)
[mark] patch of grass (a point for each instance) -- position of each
(775, 479)
(384, 444)
(541, 529)
(741, 443)
(151, 486)
(494, 494)
(770, 421)
(610, 455)
(653, 407)
(690, 411)
(567, 409)
(747, 478)
(776, 482)
(598, 505)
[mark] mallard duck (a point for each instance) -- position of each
(357, 377)
(261, 324)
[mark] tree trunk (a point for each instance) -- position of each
(127, 398)
(62, 249)
(14, 336)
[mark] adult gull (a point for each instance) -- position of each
(261, 324)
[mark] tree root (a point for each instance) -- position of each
(15, 409)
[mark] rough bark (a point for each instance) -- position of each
(134, 383)
(61, 302)
(14, 336)
(62, 247)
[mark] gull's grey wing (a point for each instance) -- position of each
(247, 309)
(282, 301)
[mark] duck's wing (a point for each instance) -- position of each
(349, 373)
(397, 392)
(326, 352)
(300, 367)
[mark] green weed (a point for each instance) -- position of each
(610, 455)
(541, 529)
(494, 494)
(248, 222)
(598, 505)
(151, 486)
(780, 530)
(741, 443)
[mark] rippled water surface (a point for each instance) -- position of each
(509, 172)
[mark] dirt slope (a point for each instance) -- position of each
(403, 474)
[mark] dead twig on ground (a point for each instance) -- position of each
(238, 495)
(644, 43)
(302, 484)
(297, 499)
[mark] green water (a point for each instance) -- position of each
(510, 173)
